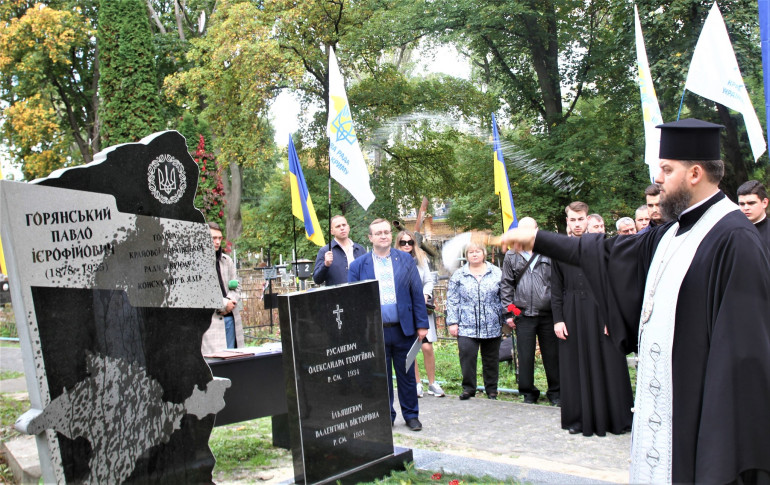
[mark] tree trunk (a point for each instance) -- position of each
(179, 25)
(544, 46)
(154, 16)
(234, 193)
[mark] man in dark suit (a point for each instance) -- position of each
(404, 316)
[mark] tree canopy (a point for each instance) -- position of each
(560, 75)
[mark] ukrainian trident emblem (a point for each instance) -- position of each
(166, 179)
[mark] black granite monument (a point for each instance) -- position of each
(337, 385)
(114, 285)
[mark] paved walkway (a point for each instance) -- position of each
(479, 437)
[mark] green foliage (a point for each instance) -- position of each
(192, 128)
(671, 32)
(130, 108)
(47, 69)
(237, 65)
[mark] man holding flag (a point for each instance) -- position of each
(328, 268)
(332, 261)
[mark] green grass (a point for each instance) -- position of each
(7, 322)
(10, 374)
(448, 372)
(449, 375)
(412, 476)
(10, 409)
(245, 445)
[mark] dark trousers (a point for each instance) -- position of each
(397, 347)
(468, 348)
(527, 329)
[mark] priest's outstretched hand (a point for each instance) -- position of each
(519, 239)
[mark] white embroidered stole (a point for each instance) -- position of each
(651, 439)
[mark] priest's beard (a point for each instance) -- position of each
(672, 204)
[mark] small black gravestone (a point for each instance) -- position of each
(303, 268)
(114, 284)
(337, 385)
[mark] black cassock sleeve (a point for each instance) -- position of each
(557, 292)
(616, 269)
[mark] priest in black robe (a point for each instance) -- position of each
(694, 294)
(596, 395)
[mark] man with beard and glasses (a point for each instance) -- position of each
(693, 293)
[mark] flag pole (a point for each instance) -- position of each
(328, 107)
(294, 236)
(679, 113)
(502, 218)
(330, 205)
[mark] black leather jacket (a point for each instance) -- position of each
(533, 294)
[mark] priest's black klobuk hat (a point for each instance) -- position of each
(689, 139)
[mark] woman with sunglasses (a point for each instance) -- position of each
(405, 241)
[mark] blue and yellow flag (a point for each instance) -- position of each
(502, 185)
(301, 205)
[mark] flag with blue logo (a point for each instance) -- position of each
(650, 107)
(346, 162)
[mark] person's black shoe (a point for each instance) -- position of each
(530, 400)
(414, 424)
(556, 402)
(492, 396)
(465, 396)
(575, 429)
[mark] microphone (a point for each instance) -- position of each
(233, 284)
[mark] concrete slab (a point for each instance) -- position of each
(21, 455)
(10, 359)
(18, 384)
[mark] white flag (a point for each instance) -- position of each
(650, 108)
(714, 74)
(347, 162)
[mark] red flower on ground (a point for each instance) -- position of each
(514, 309)
(454, 482)
(436, 476)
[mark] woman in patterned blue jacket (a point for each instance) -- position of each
(475, 317)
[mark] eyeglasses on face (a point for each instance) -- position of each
(404, 243)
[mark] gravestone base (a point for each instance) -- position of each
(376, 470)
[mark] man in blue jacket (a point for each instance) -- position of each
(404, 316)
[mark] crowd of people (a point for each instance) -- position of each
(587, 374)
(688, 270)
